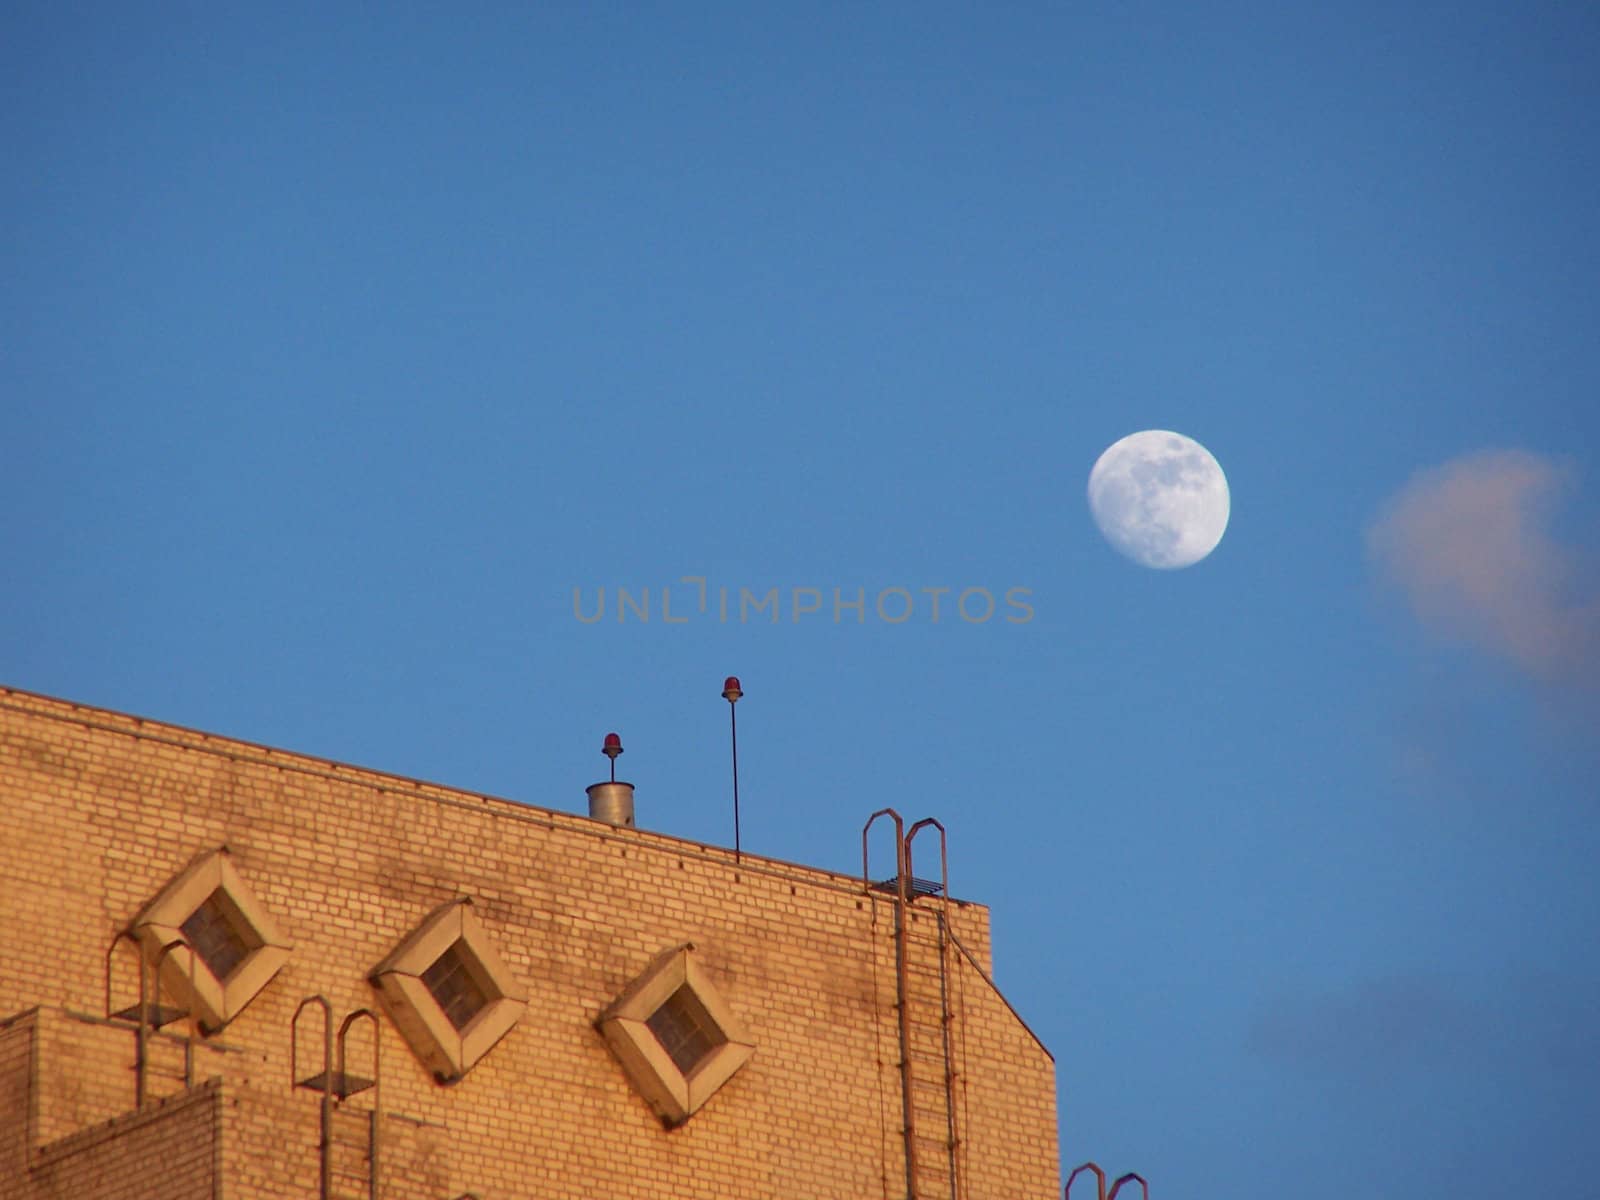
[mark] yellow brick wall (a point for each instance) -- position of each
(170, 1148)
(99, 811)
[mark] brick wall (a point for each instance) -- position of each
(99, 811)
(171, 1148)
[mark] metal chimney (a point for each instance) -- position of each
(612, 802)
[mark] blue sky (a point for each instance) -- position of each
(339, 348)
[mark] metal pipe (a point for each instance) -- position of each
(732, 692)
(194, 1026)
(140, 1050)
(733, 728)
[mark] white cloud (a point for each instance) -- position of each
(1468, 543)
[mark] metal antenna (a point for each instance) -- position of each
(611, 748)
(731, 693)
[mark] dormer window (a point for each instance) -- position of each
(675, 1035)
(229, 946)
(448, 991)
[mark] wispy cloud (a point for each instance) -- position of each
(1469, 545)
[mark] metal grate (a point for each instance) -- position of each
(918, 887)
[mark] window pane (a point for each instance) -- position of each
(213, 937)
(454, 989)
(684, 1030)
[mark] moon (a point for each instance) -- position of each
(1160, 498)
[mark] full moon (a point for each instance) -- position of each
(1160, 498)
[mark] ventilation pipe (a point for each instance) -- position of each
(612, 801)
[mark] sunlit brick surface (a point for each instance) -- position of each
(99, 811)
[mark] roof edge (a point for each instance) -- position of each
(38, 704)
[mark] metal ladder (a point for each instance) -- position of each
(148, 1015)
(347, 1150)
(924, 1018)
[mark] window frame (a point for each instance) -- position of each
(674, 1094)
(444, 1048)
(185, 974)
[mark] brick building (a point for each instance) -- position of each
(361, 985)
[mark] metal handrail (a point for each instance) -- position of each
(155, 974)
(902, 982)
(325, 1150)
(377, 1088)
(147, 1012)
(942, 916)
(1100, 1192)
(944, 858)
(1100, 1176)
(899, 850)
